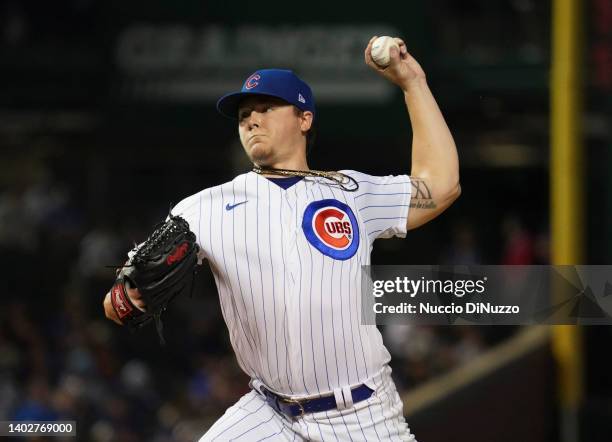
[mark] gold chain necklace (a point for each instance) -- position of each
(338, 178)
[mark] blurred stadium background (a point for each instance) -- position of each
(107, 117)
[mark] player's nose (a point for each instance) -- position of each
(254, 119)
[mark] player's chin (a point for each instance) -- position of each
(260, 153)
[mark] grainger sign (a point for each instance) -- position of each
(180, 63)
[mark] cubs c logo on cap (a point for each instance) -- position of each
(331, 227)
(252, 81)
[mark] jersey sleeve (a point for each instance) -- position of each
(191, 209)
(382, 204)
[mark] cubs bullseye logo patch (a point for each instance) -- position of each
(331, 227)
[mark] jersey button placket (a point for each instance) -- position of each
(290, 239)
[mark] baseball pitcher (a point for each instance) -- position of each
(286, 244)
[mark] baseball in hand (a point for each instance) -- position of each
(380, 50)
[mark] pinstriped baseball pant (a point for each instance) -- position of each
(379, 418)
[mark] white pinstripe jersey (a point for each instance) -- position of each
(287, 264)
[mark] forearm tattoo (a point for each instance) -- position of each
(421, 195)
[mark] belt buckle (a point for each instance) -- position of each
(295, 402)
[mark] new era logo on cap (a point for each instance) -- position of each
(301, 99)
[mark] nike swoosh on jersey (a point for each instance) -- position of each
(232, 206)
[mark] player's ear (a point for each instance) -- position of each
(306, 119)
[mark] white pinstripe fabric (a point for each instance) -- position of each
(379, 418)
(293, 312)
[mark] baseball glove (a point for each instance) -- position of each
(161, 268)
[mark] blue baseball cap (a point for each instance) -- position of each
(279, 83)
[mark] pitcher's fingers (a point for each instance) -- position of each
(394, 55)
(402, 46)
(134, 293)
(136, 298)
